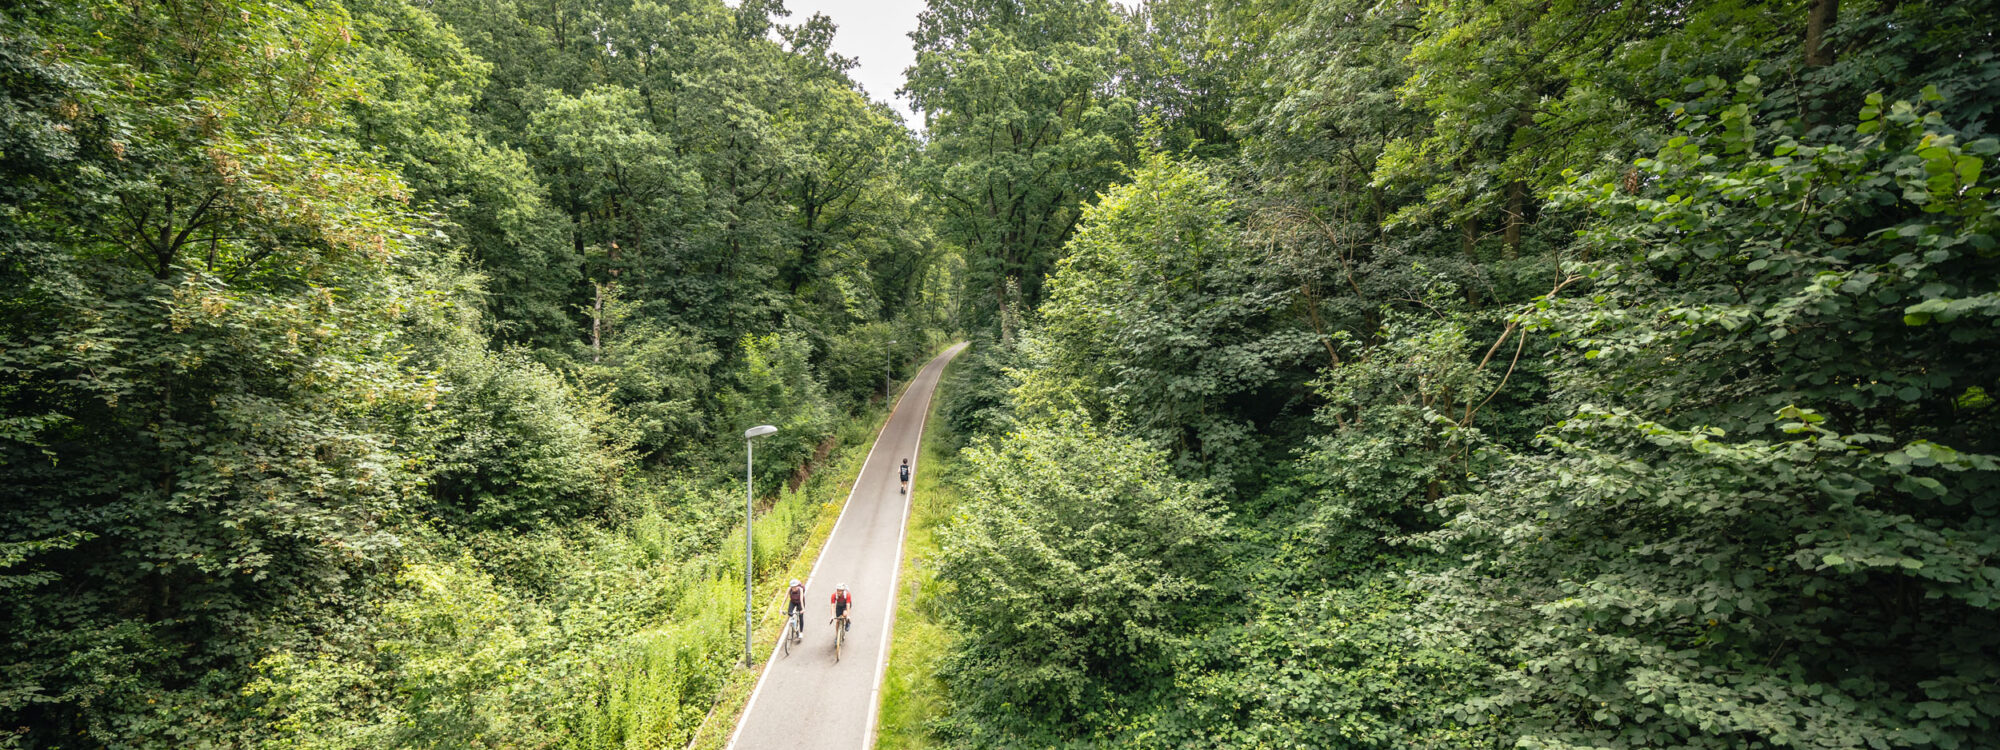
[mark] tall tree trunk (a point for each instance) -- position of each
(583, 258)
(1006, 313)
(1822, 15)
(1517, 207)
(597, 325)
(609, 291)
(1517, 190)
(1468, 235)
(1468, 238)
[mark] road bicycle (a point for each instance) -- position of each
(795, 626)
(839, 636)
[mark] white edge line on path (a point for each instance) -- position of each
(896, 577)
(766, 672)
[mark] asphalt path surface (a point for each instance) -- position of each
(806, 699)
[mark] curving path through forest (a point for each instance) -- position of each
(806, 700)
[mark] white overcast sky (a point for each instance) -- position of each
(876, 32)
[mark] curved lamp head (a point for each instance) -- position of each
(758, 431)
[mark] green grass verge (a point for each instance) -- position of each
(911, 692)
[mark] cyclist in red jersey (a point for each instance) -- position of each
(841, 601)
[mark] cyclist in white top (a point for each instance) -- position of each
(796, 607)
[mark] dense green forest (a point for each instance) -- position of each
(1504, 373)
(371, 371)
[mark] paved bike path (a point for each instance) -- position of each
(806, 700)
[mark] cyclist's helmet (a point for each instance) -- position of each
(795, 582)
(841, 587)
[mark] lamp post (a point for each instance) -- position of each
(749, 500)
(888, 362)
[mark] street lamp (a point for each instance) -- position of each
(749, 499)
(888, 358)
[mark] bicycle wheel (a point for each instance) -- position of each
(790, 634)
(839, 637)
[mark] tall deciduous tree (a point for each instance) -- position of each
(1163, 321)
(1026, 125)
(204, 286)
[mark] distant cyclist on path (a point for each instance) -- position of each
(906, 478)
